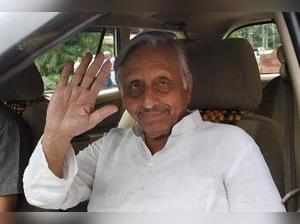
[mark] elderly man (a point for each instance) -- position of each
(168, 161)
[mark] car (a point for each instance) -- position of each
(48, 39)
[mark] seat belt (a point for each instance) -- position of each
(293, 194)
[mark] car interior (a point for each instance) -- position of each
(229, 85)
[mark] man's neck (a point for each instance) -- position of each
(156, 144)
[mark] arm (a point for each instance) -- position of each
(71, 108)
(249, 184)
(53, 167)
(44, 189)
(8, 203)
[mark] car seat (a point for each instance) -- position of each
(24, 94)
(278, 103)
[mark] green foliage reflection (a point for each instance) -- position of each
(51, 63)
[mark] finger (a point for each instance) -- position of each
(64, 78)
(102, 78)
(67, 93)
(92, 71)
(100, 114)
(107, 57)
(81, 70)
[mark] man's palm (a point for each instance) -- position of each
(71, 108)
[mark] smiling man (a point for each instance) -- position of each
(156, 90)
(170, 160)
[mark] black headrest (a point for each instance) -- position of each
(26, 85)
(225, 75)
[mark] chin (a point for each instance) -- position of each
(156, 132)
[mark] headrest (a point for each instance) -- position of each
(26, 85)
(280, 54)
(283, 68)
(225, 75)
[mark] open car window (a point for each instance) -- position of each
(50, 64)
(265, 41)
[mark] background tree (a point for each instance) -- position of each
(51, 63)
(260, 36)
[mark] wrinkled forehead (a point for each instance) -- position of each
(151, 56)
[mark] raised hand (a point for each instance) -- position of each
(71, 110)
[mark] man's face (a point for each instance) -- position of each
(152, 90)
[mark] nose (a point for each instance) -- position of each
(150, 98)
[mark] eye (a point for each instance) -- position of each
(135, 88)
(163, 85)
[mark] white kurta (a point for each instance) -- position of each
(203, 167)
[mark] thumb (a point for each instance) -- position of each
(99, 115)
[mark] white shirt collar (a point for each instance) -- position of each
(190, 121)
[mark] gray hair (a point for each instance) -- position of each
(155, 39)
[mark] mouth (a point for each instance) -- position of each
(153, 116)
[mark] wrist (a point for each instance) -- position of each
(55, 148)
(55, 135)
(55, 142)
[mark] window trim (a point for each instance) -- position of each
(292, 20)
(100, 43)
(236, 28)
(22, 59)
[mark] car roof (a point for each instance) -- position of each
(205, 26)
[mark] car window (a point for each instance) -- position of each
(51, 63)
(265, 41)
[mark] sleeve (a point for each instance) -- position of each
(249, 184)
(43, 189)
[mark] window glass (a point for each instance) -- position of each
(108, 51)
(265, 41)
(51, 63)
